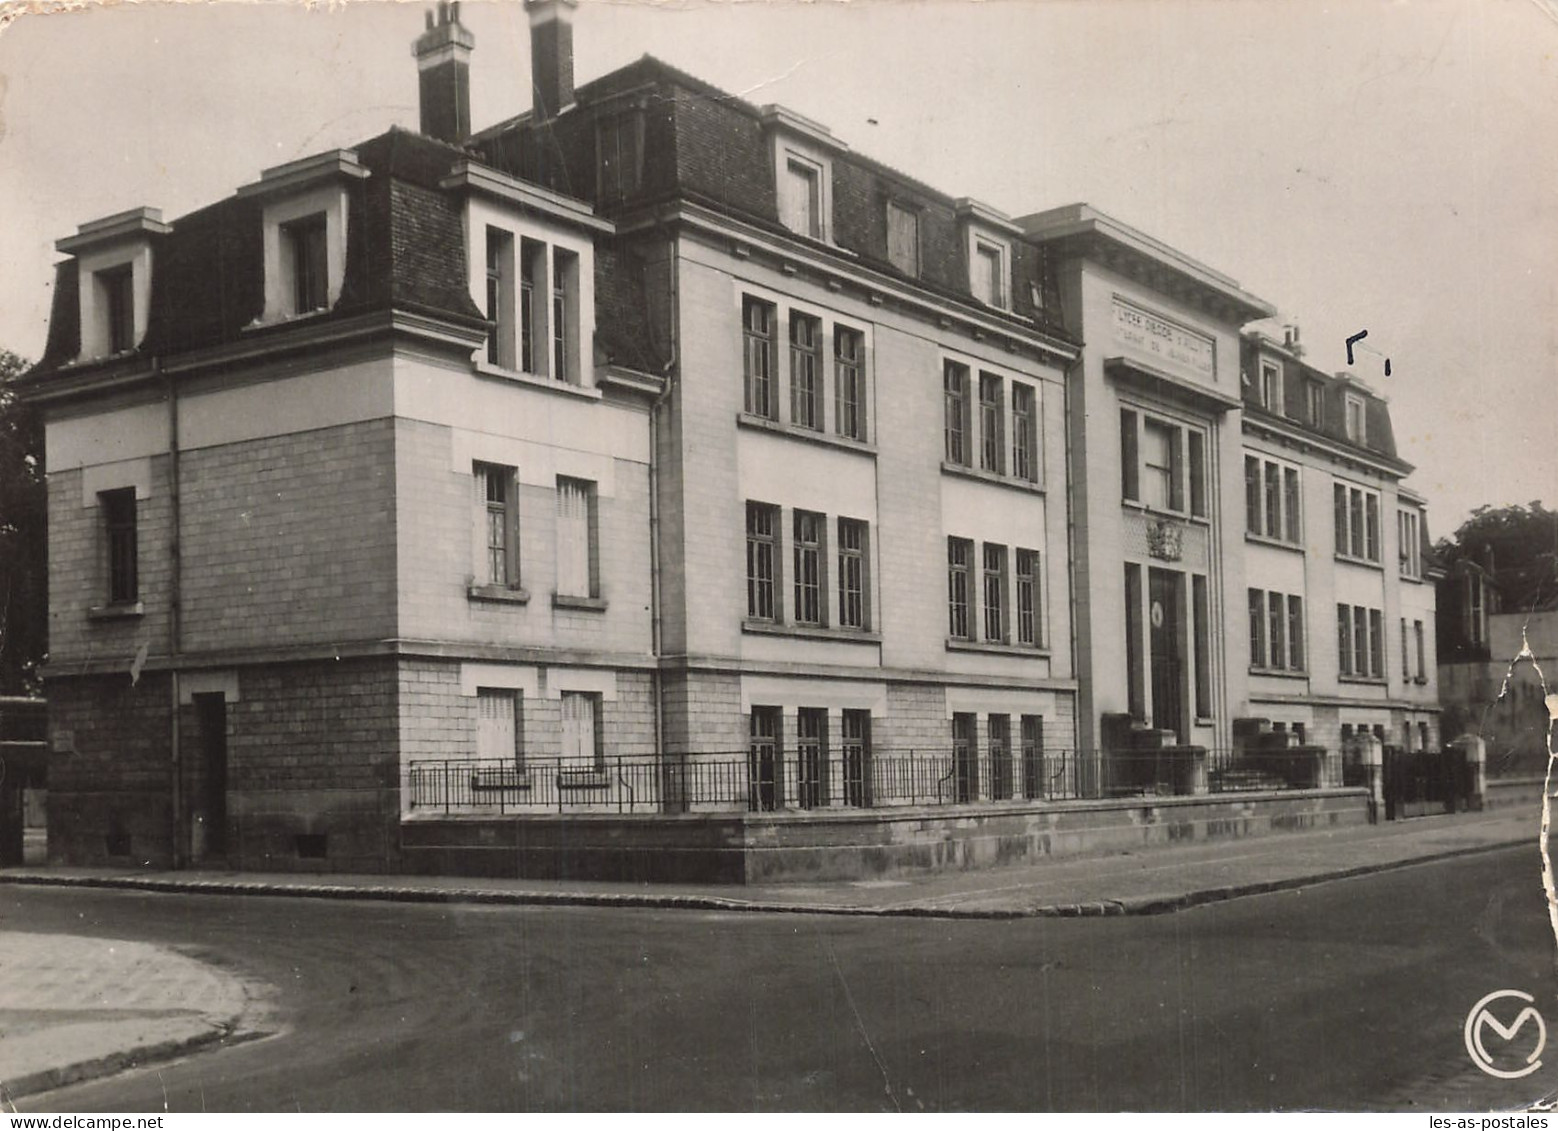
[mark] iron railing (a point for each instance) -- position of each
(735, 781)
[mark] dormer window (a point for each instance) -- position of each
(903, 238)
(803, 172)
(988, 252)
(114, 264)
(619, 153)
(990, 275)
(304, 261)
(116, 299)
(303, 221)
(1271, 386)
(1357, 427)
(531, 259)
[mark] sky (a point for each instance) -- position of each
(1363, 165)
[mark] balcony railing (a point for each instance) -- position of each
(764, 781)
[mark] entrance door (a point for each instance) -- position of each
(1165, 614)
(211, 716)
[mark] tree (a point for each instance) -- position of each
(1518, 545)
(23, 534)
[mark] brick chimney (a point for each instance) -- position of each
(443, 54)
(551, 55)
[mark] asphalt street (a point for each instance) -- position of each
(1346, 995)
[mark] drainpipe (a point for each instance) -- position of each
(655, 614)
(174, 627)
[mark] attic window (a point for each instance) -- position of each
(619, 149)
(989, 274)
(116, 301)
(1271, 386)
(304, 262)
(903, 238)
(801, 196)
(1357, 428)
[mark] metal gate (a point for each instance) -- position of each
(1418, 783)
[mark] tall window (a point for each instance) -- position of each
(992, 445)
(1357, 523)
(1135, 688)
(852, 574)
(959, 551)
(805, 371)
(1201, 625)
(989, 274)
(1032, 757)
(811, 748)
(1196, 441)
(757, 319)
(1406, 656)
(849, 383)
(1130, 461)
(855, 753)
(1411, 548)
(903, 239)
(808, 567)
(116, 293)
(954, 378)
(303, 241)
(499, 499)
(800, 197)
(499, 732)
(1296, 657)
(762, 560)
(1027, 588)
(119, 529)
(1422, 651)
(1258, 628)
(999, 730)
(1025, 432)
(1476, 609)
(995, 592)
(1271, 500)
(531, 313)
(1276, 617)
(500, 298)
(1360, 642)
(565, 277)
(581, 747)
(1161, 478)
(578, 569)
(764, 765)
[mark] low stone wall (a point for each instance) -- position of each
(858, 844)
(1514, 793)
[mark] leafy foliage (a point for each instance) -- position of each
(23, 533)
(1518, 545)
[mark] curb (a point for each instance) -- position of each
(1136, 905)
(111, 1064)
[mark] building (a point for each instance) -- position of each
(651, 485)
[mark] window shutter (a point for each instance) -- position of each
(573, 538)
(1130, 485)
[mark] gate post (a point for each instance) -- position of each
(1472, 748)
(1372, 755)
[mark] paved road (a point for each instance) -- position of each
(1346, 995)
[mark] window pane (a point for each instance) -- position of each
(1027, 597)
(758, 335)
(992, 443)
(805, 371)
(958, 552)
(849, 417)
(761, 524)
(1201, 615)
(1296, 633)
(995, 592)
(808, 567)
(852, 574)
(1130, 486)
(1290, 511)
(955, 405)
(1197, 442)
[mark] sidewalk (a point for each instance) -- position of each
(74, 1008)
(1152, 881)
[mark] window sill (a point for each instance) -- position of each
(1362, 680)
(1274, 543)
(535, 381)
(283, 318)
(810, 632)
(967, 472)
(1279, 673)
(811, 435)
(1159, 512)
(1364, 562)
(125, 610)
(1029, 651)
(583, 604)
(1413, 579)
(500, 594)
